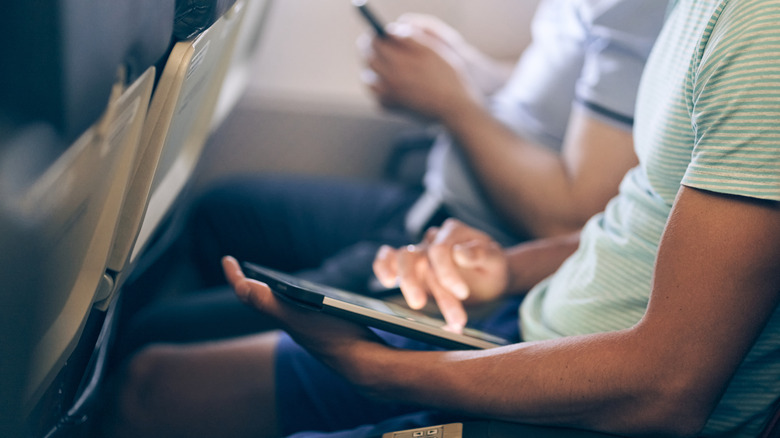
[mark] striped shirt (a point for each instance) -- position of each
(708, 116)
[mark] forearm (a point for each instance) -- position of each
(527, 184)
(580, 382)
(533, 261)
(715, 287)
(540, 191)
(488, 74)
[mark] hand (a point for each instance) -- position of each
(413, 70)
(321, 334)
(486, 72)
(455, 264)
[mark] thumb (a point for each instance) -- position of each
(472, 254)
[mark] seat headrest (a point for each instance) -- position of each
(194, 16)
(60, 57)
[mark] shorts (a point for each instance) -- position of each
(312, 400)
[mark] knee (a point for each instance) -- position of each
(231, 193)
(142, 392)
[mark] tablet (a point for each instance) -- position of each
(384, 315)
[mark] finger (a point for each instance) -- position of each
(248, 290)
(442, 263)
(451, 307)
(410, 262)
(427, 26)
(386, 267)
(399, 29)
(364, 46)
(369, 77)
(430, 235)
(475, 254)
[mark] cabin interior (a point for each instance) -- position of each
(112, 114)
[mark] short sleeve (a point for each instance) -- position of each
(735, 106)
(621, 36)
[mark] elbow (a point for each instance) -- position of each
(560, 222)
(674, 408)
(553, 227)
(675, 423)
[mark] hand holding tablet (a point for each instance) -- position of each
(388, 316)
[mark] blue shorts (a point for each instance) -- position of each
(312, 400)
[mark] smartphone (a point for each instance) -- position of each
(452, 430)
(362, 7)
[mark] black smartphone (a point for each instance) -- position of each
(362, 7)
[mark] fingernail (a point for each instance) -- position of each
(368, 76)
(416, 303)
(461, 291)
(454, 327)
(463, 254)
(399, 29)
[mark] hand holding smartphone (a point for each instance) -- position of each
(369, 16)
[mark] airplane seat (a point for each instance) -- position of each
(20, 249)
(179, 121)
(75, 86)
(180, 116)
(95, 145)
(195, 16)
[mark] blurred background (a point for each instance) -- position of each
(305, 110)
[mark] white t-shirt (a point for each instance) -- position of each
(585, 52)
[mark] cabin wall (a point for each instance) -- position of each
(305, 110)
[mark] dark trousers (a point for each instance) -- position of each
(321, 229)
(324, 229)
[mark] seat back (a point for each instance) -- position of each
(77, 79)
(178, 123)
(74, 206)
(104, 108)
(21, 286)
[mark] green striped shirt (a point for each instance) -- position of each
(708, 116)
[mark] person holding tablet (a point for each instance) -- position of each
(532, 151)
(664, 321)
(525, 152)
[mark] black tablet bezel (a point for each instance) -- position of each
(397, 319)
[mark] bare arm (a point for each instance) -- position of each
(716, 284)
(488, 74)
(539, 191)
(543, 192)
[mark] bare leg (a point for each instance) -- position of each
(223, 389)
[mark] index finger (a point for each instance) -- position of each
(443, 263)
(450, 307)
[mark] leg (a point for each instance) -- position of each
(291, 224)
(195, 317)
(221, 389)
(260, 386)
